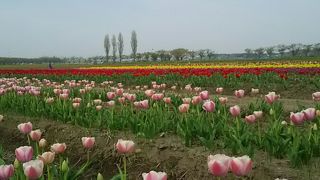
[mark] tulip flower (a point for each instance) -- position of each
(99, 176)
(204, 95)
(119, 92)
(59, 148)
(197, 89)
(47, 157)
(122, 100)
(258, 114)
(167, 100)
(49, 100)
(98, 108)
(75, 105)
(35, 135)
(64, 96)
(188, 87)
(82, 91)
(66, 91)
(271, 97)
(241, 166)
(42, 143)
(152, 175)
(149, 92)
(88, 142)
(157, 96)
(6, 171)
(111, 103)
(318, 113)
(218, 164)
(208, 106)
(97, 101)
(144, 104)
(24, 153)
(223, 100)
(235, 110)
(131, 97)
(250, 118)
(316, 96)
(195, 100)
(183, 108)
(111, 95)
(25, 128)
(33, 169)
(186, 100)
(125, 146)
(309, 114)
(219, 90)
(173, 87)
(239, 93)
(254, 91)
(76, 100)
(1, 118)
(297, 118)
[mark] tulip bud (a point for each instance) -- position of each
(1, 118)
(42, 143)
(64, 167)
(284, 123)
(99, 177)
(315, 127)
(271, 112)
(318, 113)
(16, 164)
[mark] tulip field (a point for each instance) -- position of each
(193, 121)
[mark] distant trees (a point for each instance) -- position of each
(114, 48)
(107, 46)
(179, 53)
(134, 44)
(202, 53)
(209, 53)
(192, 54)
(270, 51)
(120, 46)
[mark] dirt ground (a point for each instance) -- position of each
(166, 153)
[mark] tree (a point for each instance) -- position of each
(107, 46)
(120, 46)
(270, 51)
(179, 53)
(316, 49)
(259, 52)
(114, 48)
(154, 56)
(134, 44)
(209, 53)
(294, 49)
(282, 49)
(202, 53)
(248, 52)
(192, 54)
(306, 49)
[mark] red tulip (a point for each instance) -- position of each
(25, 128)
(6, 171)
(24, 153)
(297, 118)
(208, 106)
(125, 146)
(218, 164)
(309, 114)
(152, 175)
(235, 110)
(33, 169)
(59, 148)
(35, 135)
(88, 142)
(204, 95)
(241, 166)
(239, 93)
(250, 119)
(183, 108)
(271, 97)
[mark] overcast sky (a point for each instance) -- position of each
(34, 28)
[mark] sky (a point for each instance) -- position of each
(61, 28)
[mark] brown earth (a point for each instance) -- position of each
(166, 153)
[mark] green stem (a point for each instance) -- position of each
(48, 171)
(28, 140)
(124, 167)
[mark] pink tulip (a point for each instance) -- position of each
(97, 101)
(186, 100)
(204, 95)
(195, 100)
(98, 108)
(149, 92)
(183, 108)
(42, 143)
(111, 95)
(33, 169)
(163, 86)
(35, 135)
(152, 175)
(47, 157)
(76, 100)
(188, 87)
(119, 92)
(157, 96)
(235, 110)
(122, 100)
(250, 118)
(125, 146)
(25, 128)
(208, 106)
(6, 171)
(309, 114)
(316, 96)
(59, 148)
(254, 91)
(111, 103)
(131, 97)
(239, 93)
(219, 90)
(144, 104)
(197, 89)
(258, 114)
(297, 118)
(57, 91)
(223, 100)
(167, 100)
(66, 91)
(218, 164)
(241, 166)
(64, 96)
(88, 142)
(75, 105)
(24, 153)
(271, 97)
(49, 100)
(82, 91)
